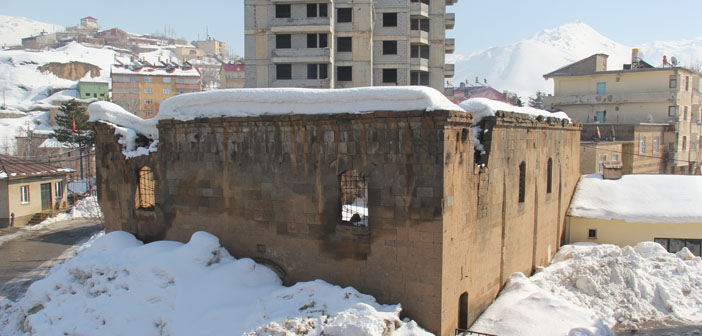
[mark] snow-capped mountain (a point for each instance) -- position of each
(520, 67)
(14, 28)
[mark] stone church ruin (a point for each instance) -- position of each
(378, 188)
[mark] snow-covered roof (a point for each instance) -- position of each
(156, 71)
(639, 198)
(14, 167)
(483, 107)
(255, 102)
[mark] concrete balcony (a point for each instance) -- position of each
(306, 25)
(301, 55)
(614, 98)
(449, 70)
(419, 36)
(302, 83)
(451, 2)
(419, 64)
(450, 20)
(419, 9)
(450, 45)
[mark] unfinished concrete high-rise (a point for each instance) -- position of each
(347, 43)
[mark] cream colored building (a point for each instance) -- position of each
(637, 208)
(212, 46)
(28, 190)
(186, 53)
(232, 76)
(639, 93)
(345, 43)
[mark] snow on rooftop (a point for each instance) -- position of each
(483, 107)
(639, 198)
(256, 102)
(120, 286)
(156, 71)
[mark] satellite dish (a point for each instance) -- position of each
(674, 61)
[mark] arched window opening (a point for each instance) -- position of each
(145, 199)
(522, 182)
(549, 175)
(463, 311)
(354, 198)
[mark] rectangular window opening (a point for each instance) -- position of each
(283, 71)
(343, 44)
(389, 19)
(389, 47)
(390, 76)
(282, 11)
(592, 233)
(354, 198)
(344, 73)
(344, 15)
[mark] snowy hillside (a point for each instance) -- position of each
(14, 28)
(519, 67)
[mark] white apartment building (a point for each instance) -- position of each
(347, 43)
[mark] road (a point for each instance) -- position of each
(28, 257)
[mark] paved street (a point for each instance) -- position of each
(28, 257)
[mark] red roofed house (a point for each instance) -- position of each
(88, 22)
(466, 92)
(232, 76)
(30, 191)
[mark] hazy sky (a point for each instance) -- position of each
(480, 24)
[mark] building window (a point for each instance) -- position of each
(642, 144)
(24, 194)
(684, 143)
(687, 83)
(148, 101)
(166, 79)
(344, 74)
(148, 79)
(344, 15)
(390, 76)
(419, 51)
(317, 71)
(463, 311)
(592, 233)
(389, 19)
(181, 91)
(58, 190)
(180, 80)
(656, 144)
(673, 245)
(148, 113)
(145, 190)
(615, 157)
(343, 44)
(522, 182)
(673, 82)
(549, 175)
(282, 41)
(354, 198)
(283, 71)
(317, 40)
(601, 87)
(389, 47)
(600, 165)
(685, 113)
(148, 90)
(87, 94)
(317, 10)
(419, 78)
(282, 11)
(419, 24)
(672, 111)
(167, 91)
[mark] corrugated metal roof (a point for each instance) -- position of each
(14, 167)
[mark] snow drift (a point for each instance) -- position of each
(118, 286)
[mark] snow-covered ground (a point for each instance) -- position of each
(589, 288)
(14, 28)
(118, 286)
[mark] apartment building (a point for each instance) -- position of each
(140, 88)
(232, 75)
(212, 46)
(637, 94)
(347, 43)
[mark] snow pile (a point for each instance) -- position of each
(256, 102)
(639, 198)
(524, 308)
(484, 107)
(85, 208)
(120, 287)
(628, 286)
(127, 126)
(14, 28)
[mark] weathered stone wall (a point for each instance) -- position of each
(488, 233)
(439, 224)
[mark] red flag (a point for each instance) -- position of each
(74, 126)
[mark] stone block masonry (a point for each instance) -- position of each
(439, 225)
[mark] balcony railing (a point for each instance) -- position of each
(419, 9)
(450, 45)
(613, 98)
(419, 64)
(419, 36)
(301, 52)
(450, 20)
(449, 70)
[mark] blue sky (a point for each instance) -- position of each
(480, 24)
